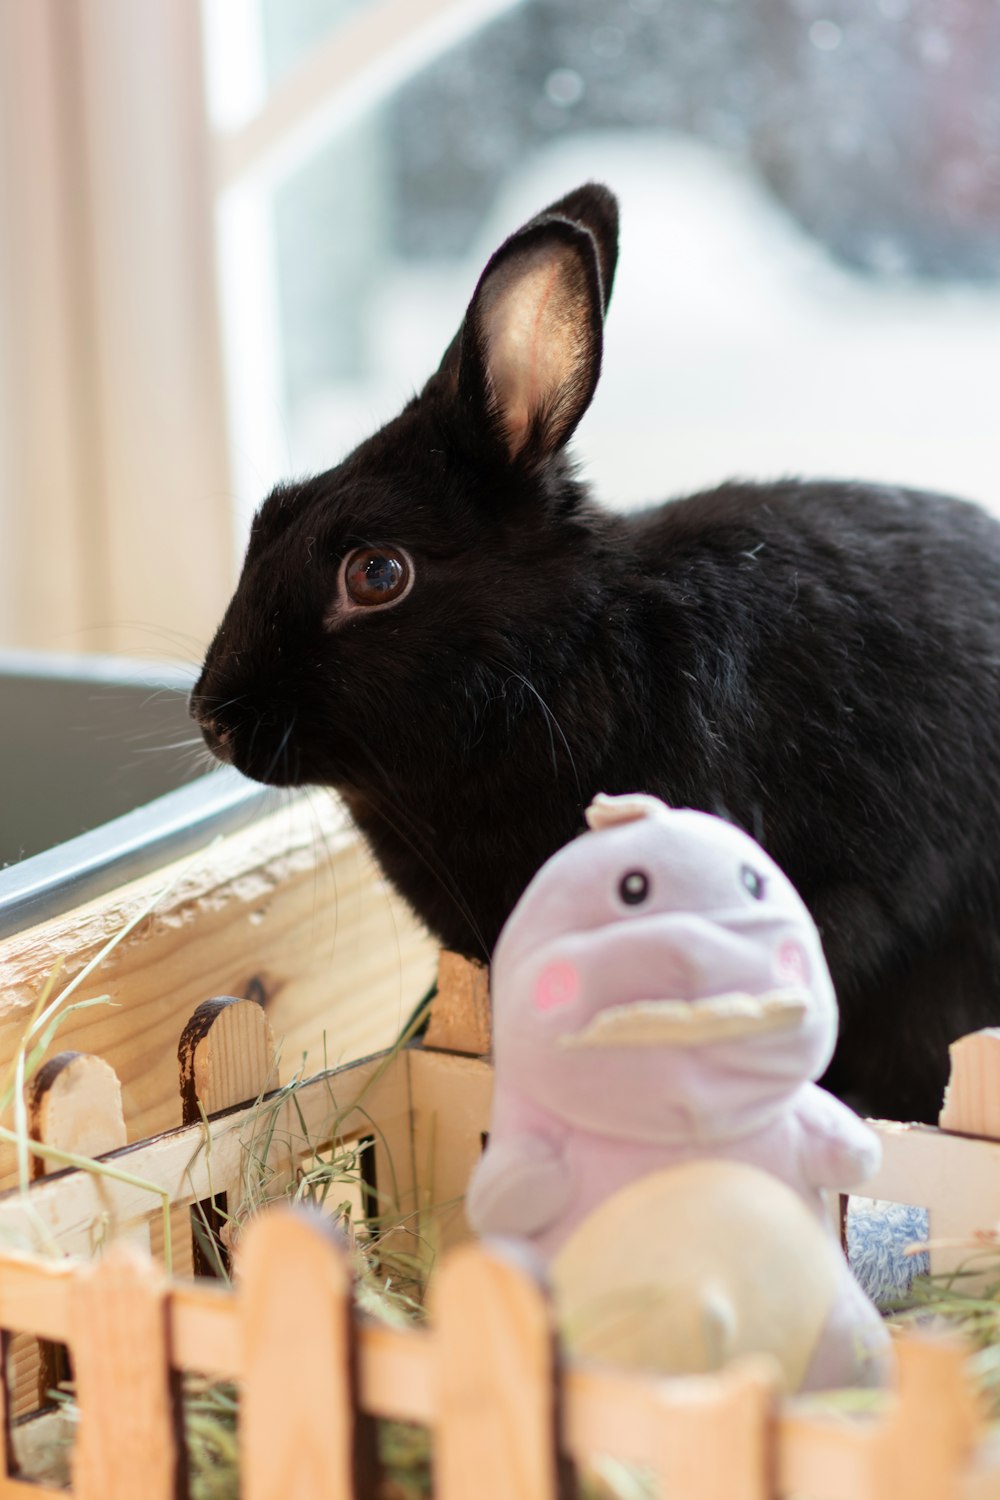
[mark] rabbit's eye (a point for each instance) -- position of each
(753, 882)
(374, 575)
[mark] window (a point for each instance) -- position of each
(811, 235)
(810, 274)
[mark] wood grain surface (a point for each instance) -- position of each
(290, 911)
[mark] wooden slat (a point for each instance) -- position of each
(919, 1162)
(460, 1018)
(612, 1411)
(956, 1178)
(452, 1098)
(396, 1373)
(205, 1331)
(297, 1418)
(127, 1438)
(972, 1098)
(35, 1295)
(26, 1489)
(825, 1458)
(705, 1437)
(393, 1209)
(65, 1207)
(395, 1365)
(290, 908)
(181, 1244)
(715, 1442)
(495, 1423)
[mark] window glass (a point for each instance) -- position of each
(292, 28)
(810, 247)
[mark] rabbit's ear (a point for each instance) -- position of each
(595, 207)
(525, 363)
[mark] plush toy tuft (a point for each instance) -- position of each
(661, 1008)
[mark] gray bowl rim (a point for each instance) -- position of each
(137, 843)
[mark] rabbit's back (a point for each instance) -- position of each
(840, 644)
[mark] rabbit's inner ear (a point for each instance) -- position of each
(540, 337)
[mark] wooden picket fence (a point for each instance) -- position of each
(510, 1418)
(504, 1413)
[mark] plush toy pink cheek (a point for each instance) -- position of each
(557, 985)
(791, 963)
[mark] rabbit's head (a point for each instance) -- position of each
(382, 603)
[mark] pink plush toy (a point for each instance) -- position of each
(661, 1001)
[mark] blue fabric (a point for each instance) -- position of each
(877, 1236)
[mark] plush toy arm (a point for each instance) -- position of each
(520, 1186)
(838, 1148)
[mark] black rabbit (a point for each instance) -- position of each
(448, 630)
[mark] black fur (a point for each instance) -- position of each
(820, 662)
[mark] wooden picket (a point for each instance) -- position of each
(496, 1389)
(75, 1103)
(971, 1102)
(297, 1413)
(127, 1442)
(226, 1056)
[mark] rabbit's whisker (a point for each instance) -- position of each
(218, 708)
(552, 723)
(391, 812)
(279, 754)
(197, 742)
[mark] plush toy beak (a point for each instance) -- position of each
(691, 1023)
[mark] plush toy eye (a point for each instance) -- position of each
(376, 575)
(752, 882)
(633, 888)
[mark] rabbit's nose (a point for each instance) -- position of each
(217, 739)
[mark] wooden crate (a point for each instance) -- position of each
(508, 1414)
(290, 911)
